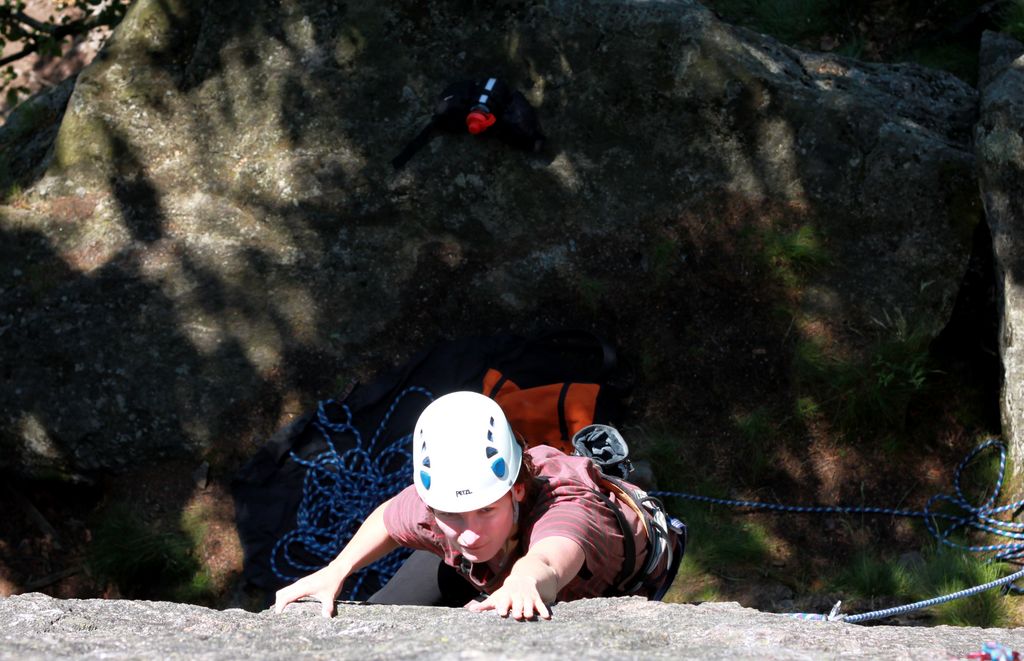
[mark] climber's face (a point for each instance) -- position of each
(481, 533)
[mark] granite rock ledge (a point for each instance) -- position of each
(35, 626)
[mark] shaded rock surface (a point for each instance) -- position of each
(38, 627)
(999, 144)
(216, 237)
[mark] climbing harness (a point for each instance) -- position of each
(666, 535)
(340, 490)
(666, 540)
(980, 517)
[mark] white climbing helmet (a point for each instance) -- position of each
(464, 454)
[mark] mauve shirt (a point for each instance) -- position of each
(566, 506)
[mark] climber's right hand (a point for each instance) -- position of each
(322, 585)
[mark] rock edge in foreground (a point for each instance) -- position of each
(35, 626)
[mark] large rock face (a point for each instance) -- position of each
(37, 627)
(999, 143)
(217, 236)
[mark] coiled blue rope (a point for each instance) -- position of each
(340, 490)
(979, 517)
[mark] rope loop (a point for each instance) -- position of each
(340, 489)
(978, 517)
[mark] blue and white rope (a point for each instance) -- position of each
(935, 601)
(978, 517)
(340, 490)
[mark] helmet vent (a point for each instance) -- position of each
(426, 462)
(425, 479)
(492, 420)
(490, 436)
(499, 468)
(491, 452)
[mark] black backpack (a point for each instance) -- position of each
(515, 120)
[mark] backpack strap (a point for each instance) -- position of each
(496, 388)
(416, 144)
(628, 547)
(563, 424)
(449, 115)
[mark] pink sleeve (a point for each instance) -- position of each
(408, 521)
(577, 513)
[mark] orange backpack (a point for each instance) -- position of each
(545, 415)
(555, 386)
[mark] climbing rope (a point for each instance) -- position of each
(340, 490)
(979, 517)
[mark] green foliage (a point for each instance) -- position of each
(811, 23)
(853, 47)
(872, 390)
(794, 254)
(960, 60)
(143, 561)
(722, 541)
(662, 258)
(197, 589)
(787, 20)
(942, 572)
(759, 434)
(868, 576)
(9, 188)
(661, 449)
(693, 584)
(592, 291)
(945, 572)
(807, 408)
(1011, 19)
(47, 36)
(755, 426)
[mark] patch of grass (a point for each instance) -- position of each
(9, 187)
(592, 291)
(1011, 19)
(718, 540)
(958, 59)
(807, 408)
(755, 426)
(792, 255)
(661, 449)
(721, 541)
(759, 435)
(854, 47)
(198, 589)
(978, 478)
(692, 584)
(945, 572)
(11, 191)
(142, 560)
(194, 524)
(868, 576)
(787, 20)
(870, 393)
(662, 258)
